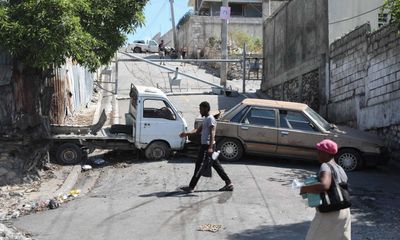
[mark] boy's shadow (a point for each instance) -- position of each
(222, 198)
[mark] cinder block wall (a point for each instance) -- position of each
(295, 53)
(364, 88)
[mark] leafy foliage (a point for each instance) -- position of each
(46, 32)
(394, 10)
(253, 44)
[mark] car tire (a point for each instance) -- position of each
(349, 159)
(231, 149)
(137, 50)
(69, 153)
(157, 151)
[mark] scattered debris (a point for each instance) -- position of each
(86, 167)
(74, 193)
(12, 233)
(99, 161)
(210, 227)
(53, 204)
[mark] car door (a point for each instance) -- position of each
(298, 135)
(159, 121)
(153, 46)
(258, 130)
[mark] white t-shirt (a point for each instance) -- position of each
(205, 131)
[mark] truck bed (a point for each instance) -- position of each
(81, 134)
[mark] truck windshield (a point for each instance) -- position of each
(318, 119)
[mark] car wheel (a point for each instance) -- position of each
(231, 149)
(157, 151)
(69, 153)
(349, 159)
(137, 50)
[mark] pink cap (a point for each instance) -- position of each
(327, 146)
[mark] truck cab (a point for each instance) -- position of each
(156, 122)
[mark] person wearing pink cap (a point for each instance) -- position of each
(331, 225)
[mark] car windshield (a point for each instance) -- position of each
(318, 119)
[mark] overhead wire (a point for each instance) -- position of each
(359, 15)
(155, 18)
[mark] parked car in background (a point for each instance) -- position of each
(139, 46)
(291, 130)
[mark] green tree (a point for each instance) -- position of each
(41, 33)
(253, 44)
(393, 6)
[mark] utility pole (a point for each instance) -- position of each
(171, 2)
(224, 48)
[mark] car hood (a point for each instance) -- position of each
(355, 134)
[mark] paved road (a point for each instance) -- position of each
(141, 201)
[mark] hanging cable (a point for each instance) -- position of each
(359, 15)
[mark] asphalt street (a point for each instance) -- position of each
(142, 200)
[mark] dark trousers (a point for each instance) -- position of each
(215, 164)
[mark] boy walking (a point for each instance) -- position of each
(207, 130)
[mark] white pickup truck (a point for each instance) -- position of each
(152, 124)
(142, 46)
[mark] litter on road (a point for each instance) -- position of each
(210, 227)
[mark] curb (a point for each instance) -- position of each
(73, 175)
(69, 182)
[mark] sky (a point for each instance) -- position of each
(158, 18)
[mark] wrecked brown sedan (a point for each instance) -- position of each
(291, 130)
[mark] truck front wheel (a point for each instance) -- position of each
(69, 153)
(157, 151)
(137, 50)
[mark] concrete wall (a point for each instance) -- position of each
(365, 82)
(194, 34)
(295, 52)
(345, 15)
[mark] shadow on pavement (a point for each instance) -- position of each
(223, 197)
(169, 194)
(288, 232)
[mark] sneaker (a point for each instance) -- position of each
(187, 189)
(228, 188)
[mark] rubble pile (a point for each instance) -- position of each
(15, 198)
(10, 233)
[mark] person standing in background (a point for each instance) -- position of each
(161, 51)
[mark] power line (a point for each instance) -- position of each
(359, 15)
(154, 19)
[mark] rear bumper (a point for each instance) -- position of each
(377, 158)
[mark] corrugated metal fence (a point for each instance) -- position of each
(72, 85)
(73, 88)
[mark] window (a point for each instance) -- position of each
(239, 115)
(236, 9)
(382, 19)
(260, 116)
(295, 120)
(157, 109)
(253, 10)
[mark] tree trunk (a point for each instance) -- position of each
(24, 128)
